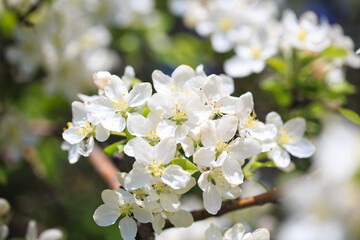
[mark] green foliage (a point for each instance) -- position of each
(115, 147)
(351, 115)
(185, 164)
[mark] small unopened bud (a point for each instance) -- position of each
(4, 207)
(101, 79)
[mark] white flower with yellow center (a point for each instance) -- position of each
(179, 219)
(217, 138)
(183, 78)
(237, 232)
(183, 114)
(79, 135)
(249, 126)
(140, 126)
(217, 94)
(305, 33)
(154, 163)
(289, 139)
(251, 57)
(119, 203)
(111, 109)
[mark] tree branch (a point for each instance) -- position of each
(104, 167)
(231, 205)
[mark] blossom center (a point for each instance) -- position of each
(178, 114)
(302, 35)
(218, 177)
(175, 88)
(284, 137)
(222, 147)
(124, 208)
(156, 168)
(255, 52)
(161, 188)
(251, 122)
(225, 24)
(120, 104)
(85, 129)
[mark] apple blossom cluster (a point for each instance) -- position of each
(190, 124)
(252, 30)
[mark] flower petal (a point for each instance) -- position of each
(261, 234)
(165, 150)
(138, 125)
(138, 177)
(143, 215)
(105, 215)
(303, 148)
(232, 171)
(140, 93)
(295, 127)
(204, 157)
(226, 128)
(101, 133)
(175, 177)
(274, 118)
(114, 122)
(181, 218)
(280, 157)
(128, 228)
(212, 199)
(213, 233)
(170, 202)
(143, 152)
(208, 133)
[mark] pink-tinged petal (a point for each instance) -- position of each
(226, 128)
(303, 148)
(212, 199)
(165, 150)
(105, 215)
(213, 233)
(128, 228)
(140, 93)
(232, 171)
(175, 177)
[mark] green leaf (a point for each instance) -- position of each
(351, 115)
(263, 164)
(333, 52)
(185, 164)
(115, 147)
(277, 64)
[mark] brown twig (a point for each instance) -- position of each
(105, 167)
(231, 205)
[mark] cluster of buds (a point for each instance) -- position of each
(190, 124)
